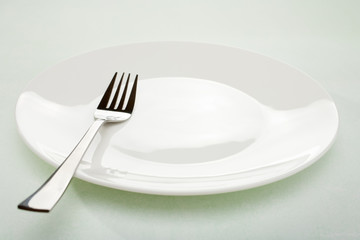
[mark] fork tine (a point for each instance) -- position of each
(105, 99)
(122, 100)
(131, 101)
(113, 102)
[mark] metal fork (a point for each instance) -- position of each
(45, 198)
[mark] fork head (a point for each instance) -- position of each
(113, 107)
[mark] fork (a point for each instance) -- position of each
(46, 197)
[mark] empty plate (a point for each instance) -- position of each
(208, 119)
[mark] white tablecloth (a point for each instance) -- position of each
(321, 38)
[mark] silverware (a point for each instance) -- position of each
(45, 198)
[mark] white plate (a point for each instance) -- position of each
(208, 119)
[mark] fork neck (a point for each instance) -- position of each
(111, 116)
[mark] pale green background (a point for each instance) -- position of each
(320, 37)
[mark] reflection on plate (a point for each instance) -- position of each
(208, 119)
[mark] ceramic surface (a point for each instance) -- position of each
(208, 119)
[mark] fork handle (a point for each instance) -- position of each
(45, 198)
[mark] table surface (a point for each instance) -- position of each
(321, 38)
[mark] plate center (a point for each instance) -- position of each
(188, 120)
